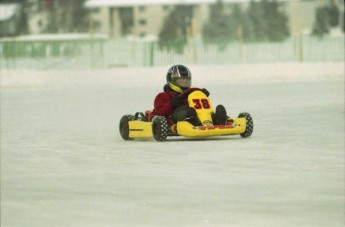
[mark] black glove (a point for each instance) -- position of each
(177, 101)
(205, 92)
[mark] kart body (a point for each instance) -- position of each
(148, 125)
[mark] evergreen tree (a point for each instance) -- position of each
(238, 22)
(174, 32)
(321, 25)
(326, 17)
(53, 16)
(218, 30)
(257, 22)
(21, 22)
(266, 22)
(333, 14)
(343, 23)
(276, 28)
(248, 27)
(66, 16)
(79, 16)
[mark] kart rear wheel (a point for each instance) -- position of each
(250, 125)
(159, 128)
(124, 126)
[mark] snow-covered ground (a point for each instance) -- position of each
(63, 162)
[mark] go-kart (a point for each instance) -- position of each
(148, 125)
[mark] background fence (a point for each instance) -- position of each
(109, 53)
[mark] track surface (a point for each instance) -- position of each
(63, 162)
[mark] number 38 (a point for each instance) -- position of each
(201, 103)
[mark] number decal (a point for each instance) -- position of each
(201, 103)
(197, 104)
(205, 103)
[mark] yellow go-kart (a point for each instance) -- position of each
(145, 125)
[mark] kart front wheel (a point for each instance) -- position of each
(159, 128)
(249, 125)
(124, 126)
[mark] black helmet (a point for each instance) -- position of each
(179, 78)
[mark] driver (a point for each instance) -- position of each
(174, 108)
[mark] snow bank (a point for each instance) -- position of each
(155, 76)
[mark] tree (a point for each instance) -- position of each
(174, 32)
(266, 22)
(21, 17)
(321, 25)
(276, 21)
(326, 17)
(333, 14)
(79, 21)
(238, 22)
(66, 16)
(23, 25)
(256, 17)
(219, 29)
(343, 22)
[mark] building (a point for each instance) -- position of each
(147, 16)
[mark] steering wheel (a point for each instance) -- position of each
(185, 93)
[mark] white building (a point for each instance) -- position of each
(148, 15)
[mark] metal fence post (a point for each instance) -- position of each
(300, 48)
(152, 50)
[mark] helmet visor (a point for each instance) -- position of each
(183, 82)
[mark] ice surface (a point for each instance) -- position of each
(63, 162)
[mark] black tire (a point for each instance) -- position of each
(124, 127)
(159, 128)
(250, 125)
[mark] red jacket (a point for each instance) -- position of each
(163, 106)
